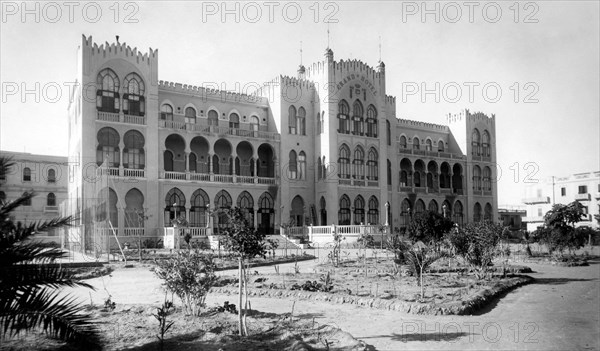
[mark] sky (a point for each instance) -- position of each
(534, 65)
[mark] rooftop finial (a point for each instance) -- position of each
(117, 39)
(328, 46)
(300, 52)
(380, 48)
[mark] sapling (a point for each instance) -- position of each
(161, 316)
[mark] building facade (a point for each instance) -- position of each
(582, 187)
(324, 147)
(45, 175)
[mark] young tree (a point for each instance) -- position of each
(420, 257)
(241, 237)
(477, 243)
(29, 286)
(559, 231)
(429, 227)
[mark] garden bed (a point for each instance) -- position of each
(133, 327)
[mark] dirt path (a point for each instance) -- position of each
(560, 311)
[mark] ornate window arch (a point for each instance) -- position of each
(403, 142)
(357, 118)
(292, 120)
(358, 163)
(344, 211)
(440, 146)
(108, 147)
(133, 153)
(344, 162)
(293, 165)
(190, 115)
(458, 212)
(477, 212)
(51, 175)
(213, 117)
(487, 212)
(51, 199)
(26, 174)
(301, 119)
(476, 142)
(107, 93)
(388, 132)
(134, 102)
(373, 165)
(302, 165)
(359, 210)
(199, 205)
(372, 122)
(428, 145)
(416, 143)
(487, 178)
(166, 112)
(373, 214)
(343, 117)
(486, 143)
(174, 205)
(476, 178)
(246, 203)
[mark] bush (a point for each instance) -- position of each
(189, 275)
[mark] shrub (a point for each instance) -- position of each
(189, 275)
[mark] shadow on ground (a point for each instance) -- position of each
(440, 336)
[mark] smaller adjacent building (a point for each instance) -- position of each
(582, 187)
(46, 175)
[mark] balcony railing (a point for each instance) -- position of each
(218, 130)
(446, 155)
(220, 178)
(135, 173)
(582, 197)
(537, 200)
(120, 118)
(134, 231)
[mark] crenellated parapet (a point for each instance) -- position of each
(119, 50)
(422, 125)
(467, 115)
(205, 92)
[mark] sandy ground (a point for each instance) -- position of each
(560, 311)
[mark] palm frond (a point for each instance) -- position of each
(57, 316)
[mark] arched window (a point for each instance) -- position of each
(372, 122)
(254, 125)
(417, 179)
(433, 206)
(174, 206)
(344, 162)
(428, 145)
(319, 169)
(246, 203)
(373, 214)
(190, 115)
(440, 146)
(475, 143)
(134, 209)
(266, 213)
(357, 118)
(302, 165)
(359, 210)
(458, 213)
(301, 121)
(292, 120)
(168, 161)
(476, 178)
(388, 132)
(199, 206)
(403, 142)
(107, 93)
(318, 123)
(51, 175)
(133, 153)
(389, 172)
(213, 118)
(405, 212)
(343, 117)
(323, 205)
(416, 143)
(487, 179)
(344, 212)
(108, 147)
(51, 200)
(419, 206)
(192, 163)
(486, 143)
(358, 163)
(133, 99)
(166, 112)
(372, 165)
(26, 174)
(293, 166)
(487, 212)
(477, 212)
(234, 121)
(222, 202)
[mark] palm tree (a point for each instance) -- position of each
(29, 283)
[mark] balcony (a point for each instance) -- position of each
(219, 178)
(120, 118)
(436, 154)
(204, 128)
(123, 172)
(536, 200)
(582, 197)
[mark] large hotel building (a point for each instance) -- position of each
(322, 148)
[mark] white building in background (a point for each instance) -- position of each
(582, 187)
